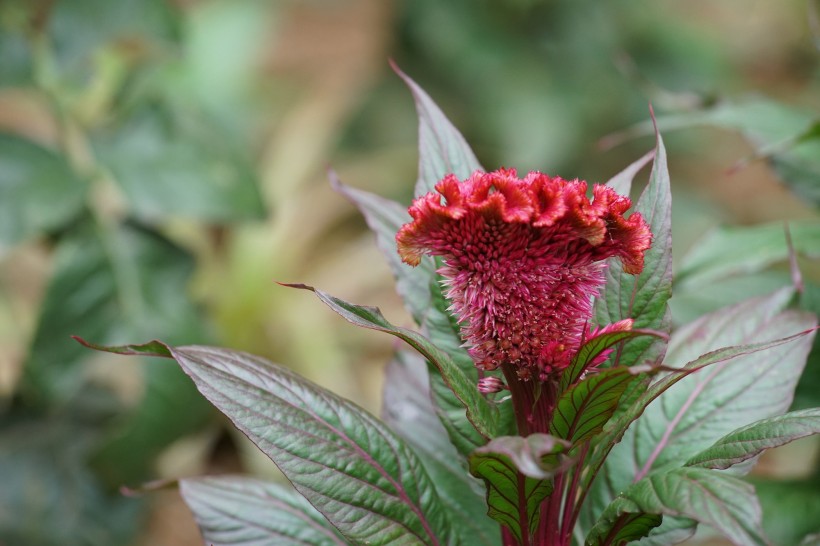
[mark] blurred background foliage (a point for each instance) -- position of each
(162, 162)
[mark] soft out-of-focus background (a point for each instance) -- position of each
(163, 162)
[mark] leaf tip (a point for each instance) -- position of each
(298, 285)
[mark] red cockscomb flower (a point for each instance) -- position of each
(522, 260)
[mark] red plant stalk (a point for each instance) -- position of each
(522, 260)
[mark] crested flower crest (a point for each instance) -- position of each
(522, 259)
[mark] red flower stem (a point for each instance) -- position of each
(507, 538)
(552, 524)
(568, 523)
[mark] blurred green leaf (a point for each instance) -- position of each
(80, 28)
(39, 191)
(728, 251)
(232, 510)
(49, 496)
(784, 135)
(176, 162)
(791, 509)
(442, 149)
(16, 68)
(108, 284)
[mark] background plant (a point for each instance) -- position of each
(292, 106)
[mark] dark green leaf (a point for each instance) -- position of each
(591, 349)
(631, 527)
(408, 410)
(481, 413)
(172, 162)
(518, 474)
(108, 284)
(644, 297)
(442, 149)
(39, 191)
(352, 468)
(750, 441)
(725, 503)
(49, 496)
(233, 510)
(583, 410)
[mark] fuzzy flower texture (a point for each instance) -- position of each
(522, 260)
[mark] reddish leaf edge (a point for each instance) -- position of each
(151, 348)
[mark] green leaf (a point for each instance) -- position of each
(109, 283)
(631, 527)
(49, 495)
(791, 508)
(442, 149)
(740, 386)
(622, 182)
(408, 410)
(39, 191)
(481, 413)
(751, 440)
(421, 292)
(518, 474)
(725, 503)
(583, 410)
(729, 251)
(233, 510)
(353, 469)
(384, 218)
(644, 297)
(591, 349)
(173, 162)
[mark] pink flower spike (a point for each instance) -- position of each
(490, 385)
(523, 259)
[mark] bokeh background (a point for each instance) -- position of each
(163, 162)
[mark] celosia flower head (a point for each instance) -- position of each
(522, 260)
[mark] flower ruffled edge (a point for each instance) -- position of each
(539, 200)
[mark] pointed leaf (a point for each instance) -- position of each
(234, 510)
(750, 441)
(584, 409)
(740, 386)
(442, 149)
(591, 349)
(728, 251)
(631, 527)
(384, 218)
(644, 297)
(479, 411)
(725, 503)
(408, 410)
(351, 467)
(518, 474)
(622, 182)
